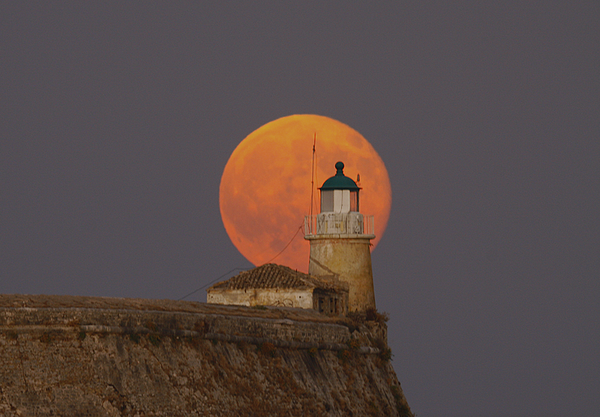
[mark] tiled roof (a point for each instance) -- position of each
(272, 276)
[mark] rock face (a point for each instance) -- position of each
(118, 357)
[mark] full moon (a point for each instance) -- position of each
(266, 190)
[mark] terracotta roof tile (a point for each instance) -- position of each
(272, 276)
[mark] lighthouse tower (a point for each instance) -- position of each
(340, 238)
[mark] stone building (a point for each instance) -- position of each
(278, 285)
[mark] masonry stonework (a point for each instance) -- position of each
(117, 357)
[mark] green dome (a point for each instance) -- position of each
(339, 181)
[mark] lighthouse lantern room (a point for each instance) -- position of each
(339, 193)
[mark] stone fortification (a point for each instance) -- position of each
(86, 356)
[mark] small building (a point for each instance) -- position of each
(278, 285)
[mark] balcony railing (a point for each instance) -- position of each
(339, 223)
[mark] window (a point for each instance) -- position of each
(354, 200)
(326, 200)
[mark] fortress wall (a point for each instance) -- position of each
(122, 361)
(176, 324)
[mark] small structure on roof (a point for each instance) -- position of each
(278, 285)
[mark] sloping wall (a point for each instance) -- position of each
(116, 357)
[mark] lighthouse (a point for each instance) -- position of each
(340, 239)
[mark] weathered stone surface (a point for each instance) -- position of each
(281, 286)
(345, 259)
(117, 357)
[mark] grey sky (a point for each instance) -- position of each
(117, 119)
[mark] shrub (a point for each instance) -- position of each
(154, 339)
(200, 327)
(373, 315)
(344, 355)
(267, 348)
(401, 404)
(385, 354)
(373, 409)
(356, 318)
(243, 346)
(353, 344)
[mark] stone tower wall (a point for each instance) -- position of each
(347, 260)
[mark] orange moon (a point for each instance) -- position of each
(265, 189)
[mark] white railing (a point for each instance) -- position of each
(339, 223)
(310, 225)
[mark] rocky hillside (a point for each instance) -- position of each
(121, 357)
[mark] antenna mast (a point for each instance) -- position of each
(312, 178)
